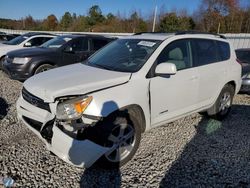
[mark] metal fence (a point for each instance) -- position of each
(240, 40)
(10, 31)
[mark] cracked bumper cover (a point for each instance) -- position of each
(80, 153)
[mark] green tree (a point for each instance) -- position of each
(80, 24)
(66, 21)
(172, 23)
(137, 23)
(95, 15)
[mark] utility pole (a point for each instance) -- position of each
(218, 30)
(153, 30)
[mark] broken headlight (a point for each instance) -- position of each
(72, 109)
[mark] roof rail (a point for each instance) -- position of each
(152, 33)
(38, 33)
(199, 32)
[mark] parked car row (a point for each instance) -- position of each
(7, 37)
(27, 40)
(59, 51)
(50, 51)
(96, 111)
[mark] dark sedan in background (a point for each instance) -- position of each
(243, 56)
(7, 37)
(62, 50)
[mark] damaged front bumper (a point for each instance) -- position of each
(80, 153)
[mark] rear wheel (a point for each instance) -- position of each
(122, 135)
(223, 104)
(43, 68)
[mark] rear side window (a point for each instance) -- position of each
(98, 43)
(206, 51)
(224, 50)
(80, 44)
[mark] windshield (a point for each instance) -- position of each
(124, 55)
(17, 40)
(56, 42)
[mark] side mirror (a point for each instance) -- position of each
(27, 44)
(68, 49)
(165, 69)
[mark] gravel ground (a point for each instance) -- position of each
(191, 152)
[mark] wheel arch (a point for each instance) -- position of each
(136, 111)
(2, 56)
(232, 83)
(38, 64)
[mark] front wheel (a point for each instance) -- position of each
(223, 104)
(122, 135)
(43, 68)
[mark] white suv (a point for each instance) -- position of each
(97, 110)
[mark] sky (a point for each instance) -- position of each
(40, 9)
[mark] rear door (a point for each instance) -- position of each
(76, 51)
(98, 43)
(210, 59)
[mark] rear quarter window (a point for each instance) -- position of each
(224, 50)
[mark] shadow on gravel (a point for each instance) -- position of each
(3, 108)
(217, 156)
(96, 177)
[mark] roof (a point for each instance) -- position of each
(152, 36)
(88, 35)
(164, 36)
(30, 34)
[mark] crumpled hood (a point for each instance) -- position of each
(73, 79)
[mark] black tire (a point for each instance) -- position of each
(43, 68)
(1, 62)
(109, 130)
(223, 104)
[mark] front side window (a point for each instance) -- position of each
(17, 40)
(56, 42)
(124, 55)
(178, 53)
(37, 41)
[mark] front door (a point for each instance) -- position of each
(76, 51)
(174, 95)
